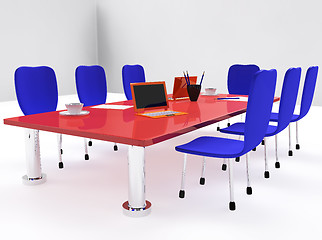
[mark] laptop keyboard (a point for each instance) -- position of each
(162, 113)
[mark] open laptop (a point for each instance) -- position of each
(180, 87)
(150, 100)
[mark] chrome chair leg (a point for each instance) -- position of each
(297, 146)
(232, 204)
(266, 173)
(290, 152)
(60, 150)
(228, 123)
(249, 190)
(202, 179)
(277, 163)
(182, 192)
(86, 149)
(218, 127)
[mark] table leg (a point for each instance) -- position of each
(34, 175)
(136, 206)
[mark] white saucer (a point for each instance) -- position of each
(209, 94)
(66, 113)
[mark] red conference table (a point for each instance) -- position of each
(124, 126)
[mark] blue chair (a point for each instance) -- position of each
(286, 109)
(260, 101)
(131, 74)
(91, 90)
(37, 92)
(239, 79)
(307, 97)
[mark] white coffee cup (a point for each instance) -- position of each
(74, 108)
(210, 91)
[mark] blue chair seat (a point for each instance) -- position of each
(213, 147)
(274, 117)
(239, 129)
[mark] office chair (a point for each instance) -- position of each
(306, 101)
(131, 74)
(239, 79)
(37, 92)
(286, 109)
(259, 107)
(91, 90)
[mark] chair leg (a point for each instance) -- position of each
(266, 173)
(290, 152)
(228, 124)
(60, 151)
(224, 165)
(218, 127)
(202, 179)
(232, 204)
(249, 190)
(115, 147)
(297, 146)
(86, 149)
(182, 192)
(277, 163)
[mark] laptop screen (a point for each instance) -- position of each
(149, 95)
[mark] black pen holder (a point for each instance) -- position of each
(193, 91)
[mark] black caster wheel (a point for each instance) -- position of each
(232, 206)
(61, 151)
(266, 174)
(249, 190)
(115, 148)
(86, 157)
(263, 142)
(228, 124)
(181, 194)
(297, 146)
(254, 149)
(277, 165)
(290, 153)
(202, 181)
(61, 165)
(224, 167)
(218, 128)
(237, 159)
(90, 143)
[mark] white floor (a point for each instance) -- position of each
(83, 200)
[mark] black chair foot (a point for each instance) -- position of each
(232, 206)
(249, 190)
(290, 153)
(218, 128)
(228, 124)
(115, 147)
(86, 156)
(61, 165)
(277, 165)
(224, 167)
(266, 174)
(181, 194)
(202, 181)
(61, 151)
(297, 146)
(237, 159)
(90, 143)
(263, 142)
(254, 149)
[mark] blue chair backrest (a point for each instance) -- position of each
(36, 89)
(288, 98)
(308, 90)
(259, 107)
(240, 77)
(131, 74)
(91, 85)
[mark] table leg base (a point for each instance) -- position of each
(141, 212)
(28, 181)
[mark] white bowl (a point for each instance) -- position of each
(210, 91)
(74, 108)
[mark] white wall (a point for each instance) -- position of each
(58, 33)
(169, 36)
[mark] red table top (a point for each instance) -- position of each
(124, 126)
